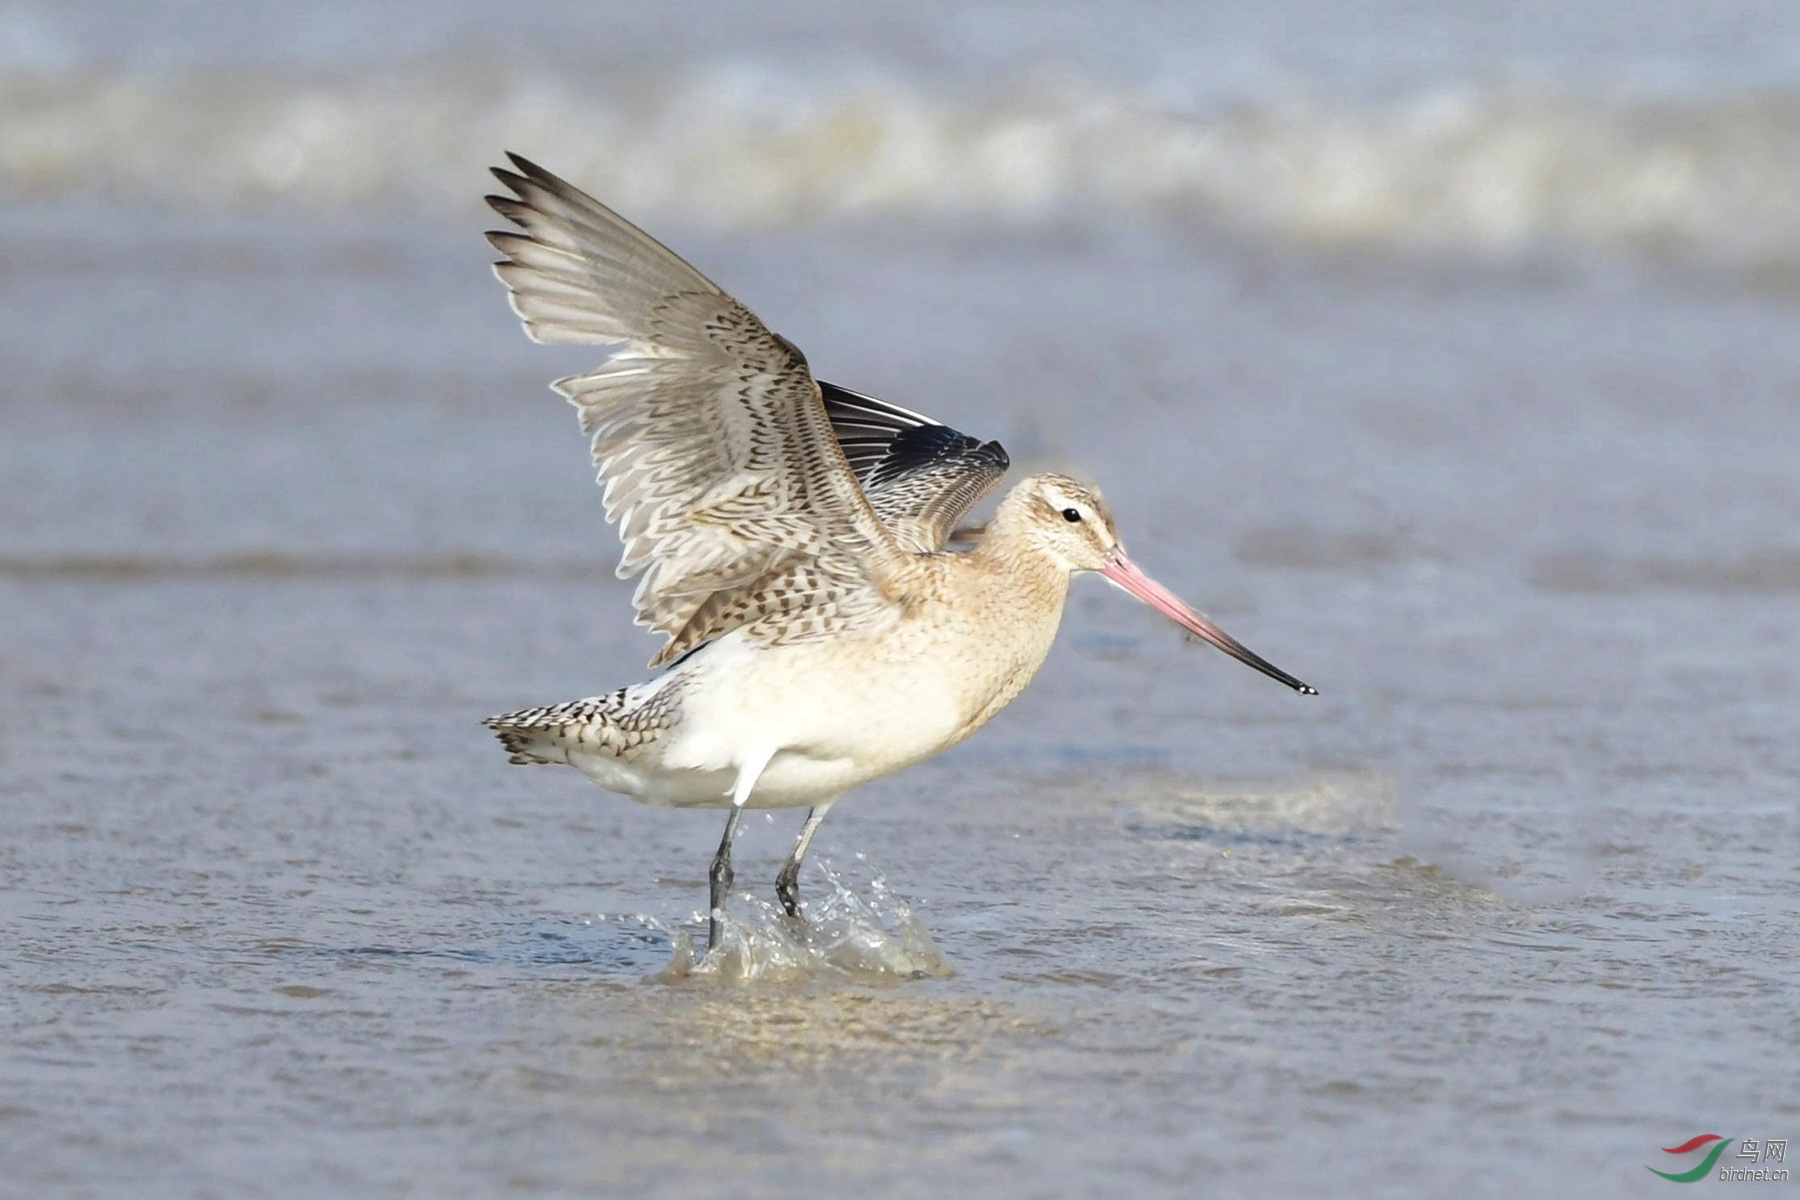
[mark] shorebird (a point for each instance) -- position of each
(792, 542)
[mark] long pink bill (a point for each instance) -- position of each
(1120, 570)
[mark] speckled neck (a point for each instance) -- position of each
(1010, 551)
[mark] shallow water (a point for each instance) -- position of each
(285, 509)
(1508, 905)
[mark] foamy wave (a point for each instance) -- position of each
(1498, 171)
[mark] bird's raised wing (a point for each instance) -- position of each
(921, 477)
(718, 462)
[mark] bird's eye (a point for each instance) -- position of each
(1071, 515)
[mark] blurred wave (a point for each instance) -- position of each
(1497, 171)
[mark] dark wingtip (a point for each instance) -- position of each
(510, 207)
(516, 182)
(540, 177)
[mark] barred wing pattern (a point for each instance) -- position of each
(921, 477)
(719, 465)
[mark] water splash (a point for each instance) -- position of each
(845, 934)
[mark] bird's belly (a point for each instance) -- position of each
(834, 719)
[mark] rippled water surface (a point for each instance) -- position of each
(285, 509)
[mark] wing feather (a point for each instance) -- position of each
(735, 503)
(921, 477)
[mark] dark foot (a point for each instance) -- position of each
(787, 886)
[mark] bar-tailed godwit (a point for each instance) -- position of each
(791, 541)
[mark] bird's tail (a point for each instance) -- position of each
(527, 743)
(614, 725)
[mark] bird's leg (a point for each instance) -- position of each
(720, 876)
(787, 884)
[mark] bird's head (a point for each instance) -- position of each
(1066, 522)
